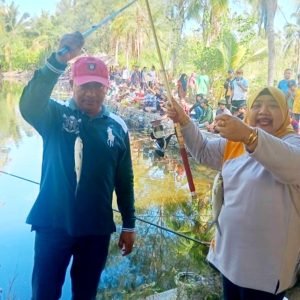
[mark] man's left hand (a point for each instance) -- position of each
(126, 242)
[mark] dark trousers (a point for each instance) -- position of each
(228, 102)
(236, 104)
(53, 252)
(235, 292)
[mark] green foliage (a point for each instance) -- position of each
(222, 41)
(23, 58)
(9, 130)
(210, 60)
(243, 26)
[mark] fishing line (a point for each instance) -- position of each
(115, 210)
(19, 177)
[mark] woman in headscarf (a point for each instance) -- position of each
(257, 246)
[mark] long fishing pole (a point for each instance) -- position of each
(176, 125)
(98, 25)
(137, 218)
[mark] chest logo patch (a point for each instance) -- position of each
(71, 124)
(110, 137)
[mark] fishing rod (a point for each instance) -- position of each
(137, 218)
(94, 27)
(176, 125)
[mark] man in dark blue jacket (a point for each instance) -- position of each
(86, 158)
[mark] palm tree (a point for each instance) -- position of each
(292, 35)
(235, 55)
(10, 17)
(209, 13)
(176, 15)
(12, 27)
(267, 10)
(131, 33)
(128, 34)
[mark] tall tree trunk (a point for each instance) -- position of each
(298, 57)
(271, 7)
(178, 23)
(205, 23)
(117, 52)
(138, 44)
(127, 53)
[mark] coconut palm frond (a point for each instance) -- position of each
(229, 47)
(258, 55)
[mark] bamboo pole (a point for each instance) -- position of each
(182, 149)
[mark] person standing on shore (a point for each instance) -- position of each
(228, 88)
(86, 157)
(239, 86)
(202, 84)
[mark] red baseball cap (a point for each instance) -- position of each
(90, 69)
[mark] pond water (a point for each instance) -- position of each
(162, 198)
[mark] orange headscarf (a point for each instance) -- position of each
(278, 95)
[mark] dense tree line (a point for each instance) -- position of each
(221, 40)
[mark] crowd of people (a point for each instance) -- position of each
(234, 100)
(151, 96)
(143, 88)
(138, 88)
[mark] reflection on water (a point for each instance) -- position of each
(162, 197)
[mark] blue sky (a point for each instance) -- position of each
(35, 7)
(284, 11)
